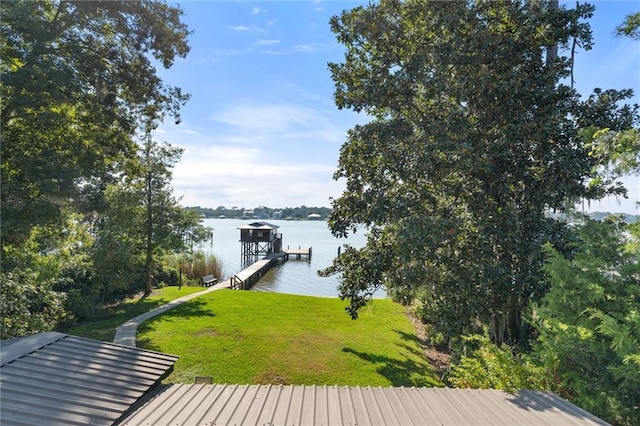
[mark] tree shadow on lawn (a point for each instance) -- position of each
(400, 372)
(187, 310)
(410, 337)
(437, 356)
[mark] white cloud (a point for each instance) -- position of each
(256, 10)
(303, 48)
(266, 42)
(229, 175)
(256, 153)
(266, 118)
(239, 28)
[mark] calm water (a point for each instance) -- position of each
(294, 276)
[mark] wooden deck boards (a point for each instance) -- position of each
(298, 252)
(246, 278)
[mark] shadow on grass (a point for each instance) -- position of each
(400, 372)
(410, 337)
(192, 308)
(188, 310)
(114, 316)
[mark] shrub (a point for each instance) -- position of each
(484, 365)
(28, 305)
(588, 324)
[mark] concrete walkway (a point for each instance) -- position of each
(126, 333)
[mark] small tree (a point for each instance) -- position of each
(589, 322)
(163, 225)
(144, 219)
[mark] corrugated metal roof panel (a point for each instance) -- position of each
(181, 404)
(54, 378)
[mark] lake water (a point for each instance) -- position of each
(294, 276)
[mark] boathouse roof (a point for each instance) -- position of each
(54, 378)
(259, 225)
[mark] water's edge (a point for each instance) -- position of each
(294, 276)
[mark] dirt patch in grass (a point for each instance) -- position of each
(206, 332)
(272, 377)
(440, 360)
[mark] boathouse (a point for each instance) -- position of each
(259, 238)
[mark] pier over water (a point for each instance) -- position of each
(262, 238)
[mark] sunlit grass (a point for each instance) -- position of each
(105, 330)
(256, 337)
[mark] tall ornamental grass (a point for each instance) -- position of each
(195, 265)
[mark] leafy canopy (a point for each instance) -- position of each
(588, 325)
(473, 139)
(77, 79)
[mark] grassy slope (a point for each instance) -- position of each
(252, 337)
(105, 330)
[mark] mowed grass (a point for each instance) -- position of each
(253, 337)
(105, 330)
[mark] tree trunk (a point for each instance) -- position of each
(552, 51)
(148, 265)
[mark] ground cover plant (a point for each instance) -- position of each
(251, 337)
(105, 329)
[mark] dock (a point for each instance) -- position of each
(250, 275)
(299, 253)
(246, 278)
(261, 238)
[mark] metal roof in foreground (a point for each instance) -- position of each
(55, 378)
(181, 404)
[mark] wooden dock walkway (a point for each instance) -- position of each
(250, 275)
(246, 278)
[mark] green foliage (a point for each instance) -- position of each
(484, 365)
(77, 84)
(55, 262)
(161, 214)
(614, 144)
(76, 81)
(589, 322)
(617, 153)
(28, 304)
(117, 259)
(630, 27)
(473, 140)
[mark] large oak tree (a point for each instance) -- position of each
(474, 139)
(78, 86)
(76, 81)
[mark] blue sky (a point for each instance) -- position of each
(261, 127)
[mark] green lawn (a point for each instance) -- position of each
(105, 330)
(254, 337)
